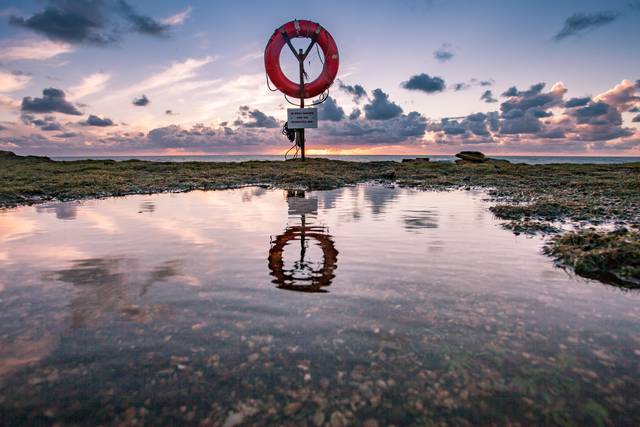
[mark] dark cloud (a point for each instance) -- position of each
(380, 108)
(533, 97)
(636, 119)
(46, 123)
(255, 119)
(140, 23)
(169, 112)
(425, 83)
(88, 21)
(355, 114)
(474, 128)
(487, 96)
(473, 82)
(53, 100)
(356, 91)
(577, 102)
(97, 121)
(206, 138)
(593, 110)
(66, 135)
(141, 101)
(580, 22)
(402, 128)
(635, 110)
(329, 110)
(512, 91)
(460, 86)
(444, 53)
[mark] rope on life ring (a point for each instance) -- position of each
(321, 277)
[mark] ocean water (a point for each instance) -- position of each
(255, 306)
(534, 160)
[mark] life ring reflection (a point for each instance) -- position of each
(319, 278)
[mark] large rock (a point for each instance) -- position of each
(471, 156)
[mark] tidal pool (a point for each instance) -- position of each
(365, 304)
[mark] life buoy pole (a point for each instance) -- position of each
(319, 37)
(301, 131)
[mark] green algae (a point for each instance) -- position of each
(612, 256)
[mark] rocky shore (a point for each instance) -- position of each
(533, 199)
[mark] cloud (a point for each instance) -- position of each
(577, 102)
(141, 101)
(176, 72)
(93, 83)
(579, 23)
(487, 96)
(355, 114)
(473, 82)
(47, 123)
(178, 18)
(97, 121)
(461, 86)
(330, 111)
(535, 120)
(401, 128)
(201, 137)
(380, 108)
(255, 119)
(169, 112)
(53, 100)
(636, 119)
(140, 23)
(356, 91)
(88, 22)
(444, 53)
(425, 83)
(533, 97)
(36, 50)
(11, 82)
(622, 96)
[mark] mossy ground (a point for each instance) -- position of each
(612, 256)
(532, 197)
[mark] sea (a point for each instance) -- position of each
(533, 160)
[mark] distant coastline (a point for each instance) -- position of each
(532, 160)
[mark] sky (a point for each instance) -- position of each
(125, 77)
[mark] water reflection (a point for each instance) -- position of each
(415, 220)
(437, 315)
(305, 275)
(112, 285)
(63, 210)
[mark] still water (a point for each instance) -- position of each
(365, 304)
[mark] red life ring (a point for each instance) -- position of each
(307, 29)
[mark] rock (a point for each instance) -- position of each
(7, 154)
(338, 419)
(471, 156)
(416, 160)
(233, 419)
(292, 408)
(318, 419)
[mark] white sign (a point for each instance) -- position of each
(302, 118)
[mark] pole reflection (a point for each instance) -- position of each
(305, 275)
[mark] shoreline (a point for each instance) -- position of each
(530, 197)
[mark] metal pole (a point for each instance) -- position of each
(301, 131)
